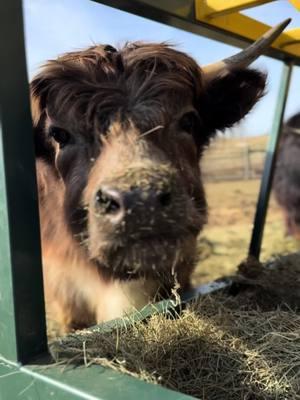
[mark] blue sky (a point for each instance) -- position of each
(57, 26)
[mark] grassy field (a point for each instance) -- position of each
(224, 242)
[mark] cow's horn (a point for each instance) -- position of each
(246, 56)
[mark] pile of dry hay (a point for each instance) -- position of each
(242, 343)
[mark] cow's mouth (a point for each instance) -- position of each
(148, 256)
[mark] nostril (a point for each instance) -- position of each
(165, 199)
(108, 202)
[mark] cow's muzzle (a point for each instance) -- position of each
(140, 202)
(134, 204)
(142, 222)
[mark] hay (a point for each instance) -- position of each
(238, 344)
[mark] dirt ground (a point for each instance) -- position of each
(224, 242)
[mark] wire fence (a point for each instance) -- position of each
(222, 164)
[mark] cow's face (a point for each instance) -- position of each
(124, 131)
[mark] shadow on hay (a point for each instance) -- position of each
(220, 347)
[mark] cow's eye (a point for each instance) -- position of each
(61, 136)
(189, 122)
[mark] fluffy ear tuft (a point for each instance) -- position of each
(38, 90)
(227, 99)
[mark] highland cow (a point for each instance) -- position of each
(119, 135)
(287, 175)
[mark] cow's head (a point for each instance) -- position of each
(124, 131)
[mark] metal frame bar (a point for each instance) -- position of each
(296, 4)
(225, 15)
(269, 167)
(69, 382)
(215, 8)
(23, 335)
(182, 14)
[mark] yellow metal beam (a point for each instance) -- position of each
(296, 4)
(215, 8)
(294, 40)
(246, 27)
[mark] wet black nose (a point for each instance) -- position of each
(116, 204)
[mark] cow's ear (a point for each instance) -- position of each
(39, 88)
(227, 99)
(38, 94)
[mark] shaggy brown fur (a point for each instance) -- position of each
(287, 175)
(119, 135)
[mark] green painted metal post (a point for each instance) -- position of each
(22, 315)
(266, 183)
